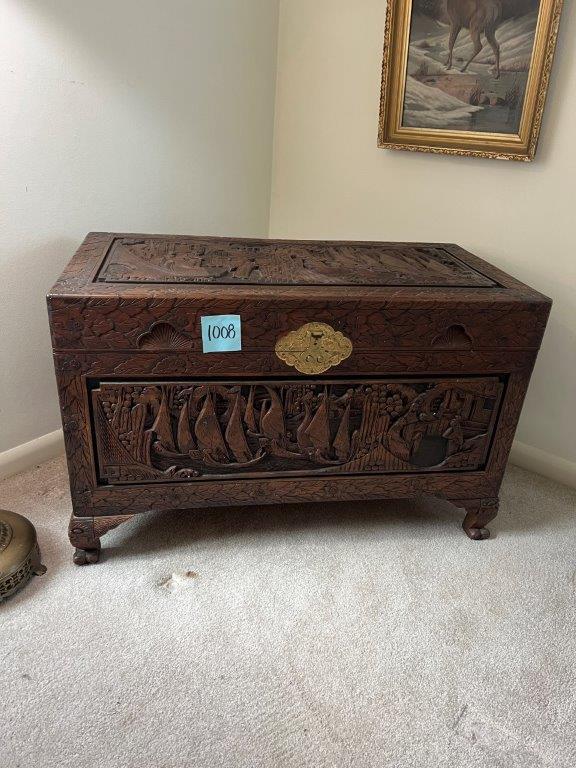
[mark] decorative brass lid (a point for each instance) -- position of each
(19, 553)
(313, 348)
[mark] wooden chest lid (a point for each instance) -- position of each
(119, 287)
(257, 262)
(110, 264)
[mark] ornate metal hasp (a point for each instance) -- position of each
(314, 348)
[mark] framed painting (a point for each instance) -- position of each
(467, 77)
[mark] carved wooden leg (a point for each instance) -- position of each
(85, 532)
(479, 512)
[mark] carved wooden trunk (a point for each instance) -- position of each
(210, 371)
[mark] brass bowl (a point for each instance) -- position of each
(19, 553)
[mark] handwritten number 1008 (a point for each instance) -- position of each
(221, 332)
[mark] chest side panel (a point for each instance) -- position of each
(166, 431)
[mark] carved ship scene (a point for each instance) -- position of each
(188, 431)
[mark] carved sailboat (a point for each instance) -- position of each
(184, 435)
(318, 430)
(208, 431)
(272, 421)
(304, 442)
(235, 436)
(341, 444)
(249, 413)
(273, 427)
(162, 426)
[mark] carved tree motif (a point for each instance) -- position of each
(187, 430)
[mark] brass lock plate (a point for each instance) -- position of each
(313, 348)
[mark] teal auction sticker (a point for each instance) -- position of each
(221, 333)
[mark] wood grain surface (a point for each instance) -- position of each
(427, 403)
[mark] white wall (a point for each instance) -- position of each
(331, 181)
(157, 115)
(134, 115)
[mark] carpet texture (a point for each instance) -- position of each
(366, 634)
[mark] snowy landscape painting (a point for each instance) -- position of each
(467, 77)
(468, 64)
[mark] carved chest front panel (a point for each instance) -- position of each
(159, 431)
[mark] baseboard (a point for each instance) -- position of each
(543, 463)
(27, 455)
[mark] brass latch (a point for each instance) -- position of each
(313, 348)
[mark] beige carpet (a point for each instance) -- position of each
(351, 635)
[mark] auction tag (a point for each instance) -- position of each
(221, 333)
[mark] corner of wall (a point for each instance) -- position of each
(274, 121)
(542, 463)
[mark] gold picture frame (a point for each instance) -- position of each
(492, 122)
